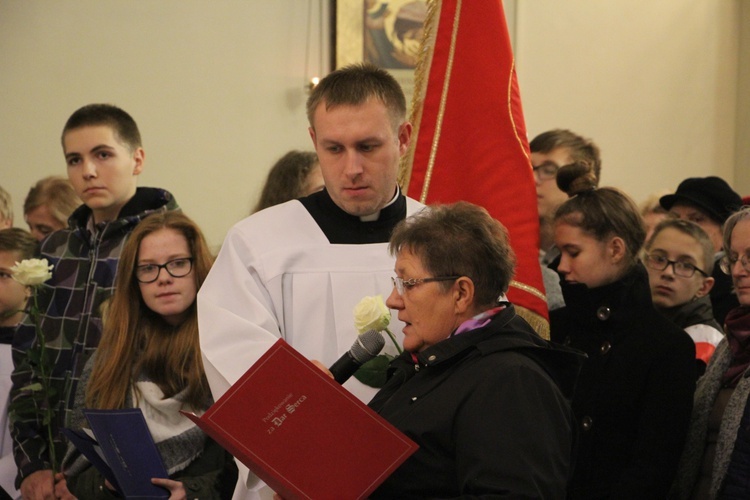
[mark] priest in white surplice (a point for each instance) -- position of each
(297, 270)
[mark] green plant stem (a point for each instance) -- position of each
(45, 384)
(393, 338)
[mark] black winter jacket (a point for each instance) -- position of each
(490, 411)
(635, 390)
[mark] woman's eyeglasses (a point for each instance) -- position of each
(727, 263)
(177, 268)
(402, 284)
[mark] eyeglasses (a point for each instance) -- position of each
(682, 269)
(401, 284)
(727, 263)
(177, 268)
(545, 171)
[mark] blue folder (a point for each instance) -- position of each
(123, 451)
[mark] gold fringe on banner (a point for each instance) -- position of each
(421, 75)
(537, 322)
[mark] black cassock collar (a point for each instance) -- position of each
(343, 228)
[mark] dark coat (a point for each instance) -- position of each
(635, 390)
(490, 411)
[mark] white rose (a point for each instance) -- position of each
(371, 314)
(32, 272)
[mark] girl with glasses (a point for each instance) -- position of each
(149, 358)
(634, 394)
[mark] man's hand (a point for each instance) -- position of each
(38, 485)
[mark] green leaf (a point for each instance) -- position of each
(36, 386)
(374, 372)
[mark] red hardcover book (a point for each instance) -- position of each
(301, 432)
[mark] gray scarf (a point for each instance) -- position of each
(705, 395)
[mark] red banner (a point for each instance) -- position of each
(470, 138)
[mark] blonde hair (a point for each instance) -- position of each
(57, 194)
(651, 204)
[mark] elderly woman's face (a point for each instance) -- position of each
(739, 252)
(427, 311)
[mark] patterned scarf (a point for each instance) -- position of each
(479, 320)
(178, 439)
(738, 337)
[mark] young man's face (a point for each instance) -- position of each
(668, 289)
(102, 169)
(13, 295)
(548, 195)
(359, 153)
(694, 214)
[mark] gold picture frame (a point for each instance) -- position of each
(385, 33)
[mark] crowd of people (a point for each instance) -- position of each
(641, 392)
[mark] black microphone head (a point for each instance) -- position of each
(367, 346)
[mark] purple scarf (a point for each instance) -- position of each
(478, 321)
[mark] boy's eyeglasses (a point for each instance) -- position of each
(682, 269)
(546, 171)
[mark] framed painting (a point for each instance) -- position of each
(388, 34)
(384, 33)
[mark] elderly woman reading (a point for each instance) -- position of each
(484, 396)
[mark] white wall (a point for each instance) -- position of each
(653, 82)
(217, 88)
(742, 151)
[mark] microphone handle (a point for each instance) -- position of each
(344, 368)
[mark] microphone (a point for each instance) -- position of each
(366, 347)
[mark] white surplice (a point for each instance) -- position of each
(277, 275)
